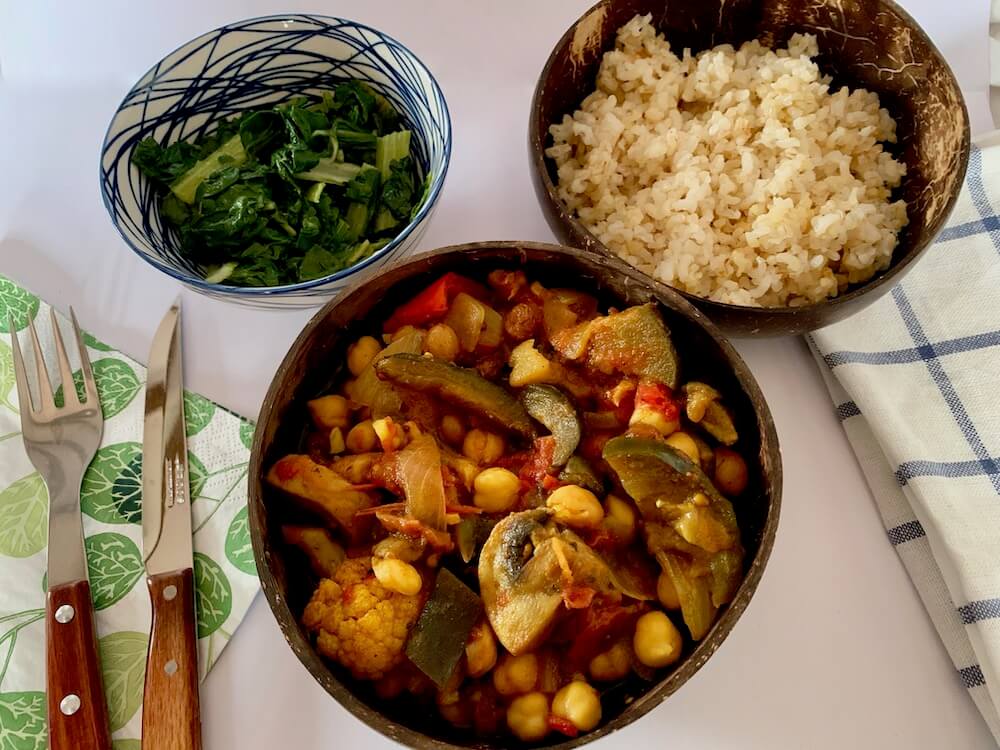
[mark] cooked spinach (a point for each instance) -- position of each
(289, 193)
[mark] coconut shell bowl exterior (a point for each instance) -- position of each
(316, 361)
(873, 44)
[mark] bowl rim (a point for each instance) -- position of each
(578, 231)
(200, 283)
(769, 455)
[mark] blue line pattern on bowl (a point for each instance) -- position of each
(250, 64)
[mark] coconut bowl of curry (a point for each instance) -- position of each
(510, 494)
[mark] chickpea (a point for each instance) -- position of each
(482, 447)
(730, 472)
(516, 674)
(579, 703)
(481, 650)
(496, 490)
(397, 576)
(361, 353)
(362, 437)
(666, 592)
(657, 642)
(528, 717)
(442, 342)
(613, 664)
(453, 709)
(684, 443)
(330, 411)
(336, 441)
(452, 429)
(619, 518)
(575, 506)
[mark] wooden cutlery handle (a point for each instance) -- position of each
(77, 711)
(171, 716)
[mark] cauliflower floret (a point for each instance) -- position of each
(358, 622)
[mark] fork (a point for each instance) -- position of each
(61, 443)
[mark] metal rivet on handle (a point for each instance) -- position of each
(65, 614)
(170, 668)
(70, 704)
(170, 592)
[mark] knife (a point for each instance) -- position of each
(171, 716)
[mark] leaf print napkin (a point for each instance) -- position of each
(111, 500)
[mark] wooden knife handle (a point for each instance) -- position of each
(171, 716)
(77, 711)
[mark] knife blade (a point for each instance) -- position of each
(171, 718)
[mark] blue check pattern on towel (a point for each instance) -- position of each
(916, 383)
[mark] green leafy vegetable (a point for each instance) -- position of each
(397, 193)
(229, 153)
(290, 193)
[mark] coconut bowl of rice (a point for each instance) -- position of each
(781, 164)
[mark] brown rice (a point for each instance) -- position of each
(733, 174)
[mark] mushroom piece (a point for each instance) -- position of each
(528, 569)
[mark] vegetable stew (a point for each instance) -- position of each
(518, 503)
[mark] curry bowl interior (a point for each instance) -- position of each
(872, 44)
(316, 361)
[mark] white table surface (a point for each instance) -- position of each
(834, 651)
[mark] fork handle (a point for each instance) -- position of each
(171, 716)
(77, 711)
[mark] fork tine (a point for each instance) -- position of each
(88, 374)
(65, 372)
(23, 392)
(44, 385)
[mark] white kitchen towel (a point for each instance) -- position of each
(916, 383)
(995, 61)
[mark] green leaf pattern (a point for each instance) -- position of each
(239, 551)
(16, 304)
(22, 721)
(6, 376)
(126, 491)
(213, 594)
(246, 434)
(117, 385)
(24, 517)
(98, 496)
(123, 661)
(115, 564)
(198, 412)
(197, 476)
(111, 499)
(94, 344)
